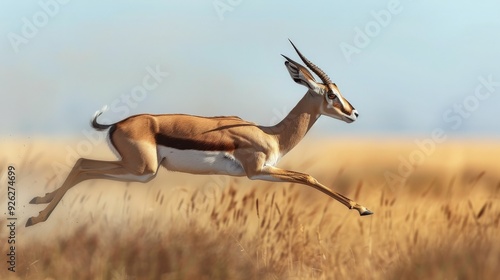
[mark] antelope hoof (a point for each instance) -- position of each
(42, 200)
(29, 222)
(35, 220)
(363, 211)
(366, 213)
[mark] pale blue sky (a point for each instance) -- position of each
(407, 80)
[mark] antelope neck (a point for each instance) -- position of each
(297, 123)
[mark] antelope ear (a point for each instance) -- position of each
(302, 76)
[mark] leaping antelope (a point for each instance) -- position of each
(213, 145)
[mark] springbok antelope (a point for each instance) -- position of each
(213, 145)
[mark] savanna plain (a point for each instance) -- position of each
(437, 216)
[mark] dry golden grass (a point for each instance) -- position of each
(443, 223)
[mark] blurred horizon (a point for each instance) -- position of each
(409, 67)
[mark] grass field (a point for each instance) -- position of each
(438, 220)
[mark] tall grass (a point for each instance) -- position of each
(443, 223)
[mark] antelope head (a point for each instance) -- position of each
(333, 104)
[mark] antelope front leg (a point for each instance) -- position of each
(271, 173)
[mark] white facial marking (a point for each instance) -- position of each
(330, 104)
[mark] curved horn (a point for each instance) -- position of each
(322, 75)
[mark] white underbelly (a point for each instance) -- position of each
(199, 162)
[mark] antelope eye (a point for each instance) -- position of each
(331, 96)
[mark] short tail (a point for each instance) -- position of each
(97, 125)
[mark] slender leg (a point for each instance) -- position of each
(86, 169)
(80, 166)
(271, 173)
